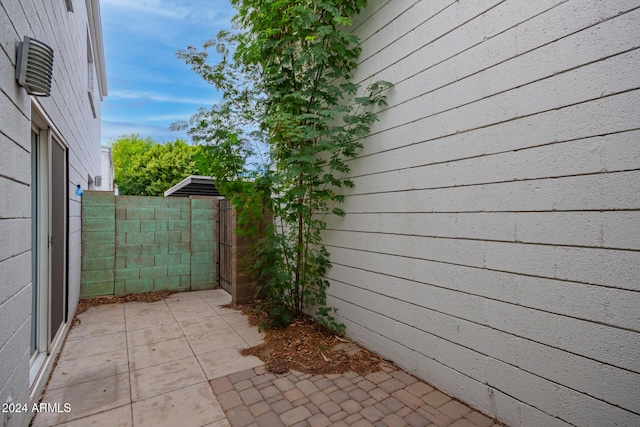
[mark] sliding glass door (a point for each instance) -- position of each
(58, 237)
(49, 205)
(35, 242)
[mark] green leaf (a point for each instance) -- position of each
(285, 76)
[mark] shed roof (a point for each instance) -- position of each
(193, 185)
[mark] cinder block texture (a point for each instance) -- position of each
(140, 244)
(98, 243)
(491, 241)
(203, 243)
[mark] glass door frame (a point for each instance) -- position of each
(42, 137)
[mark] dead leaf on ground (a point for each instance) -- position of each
(85, 303)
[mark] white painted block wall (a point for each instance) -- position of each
(106, 170)
(69, 110)
(492, 242)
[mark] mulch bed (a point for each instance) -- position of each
(306, 346)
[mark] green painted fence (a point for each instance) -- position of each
(133, 244)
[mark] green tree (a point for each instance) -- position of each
(123, 150)
(143, 167)
(286, 79)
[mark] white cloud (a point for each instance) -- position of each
(112, 130)
(218, 12)
(167, 117)
(157, 7)
(159, 97)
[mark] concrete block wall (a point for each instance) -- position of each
(153, 236)
(491, 244)
(203, 242)
(15, 270)
(99, 243)
(155, 243)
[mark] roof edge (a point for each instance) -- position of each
(187, 181)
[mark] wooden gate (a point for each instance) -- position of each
(225, 233)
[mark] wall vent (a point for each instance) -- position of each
(34, 70)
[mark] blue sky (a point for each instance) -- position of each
(149, 87)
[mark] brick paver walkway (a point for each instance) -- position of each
(390, 398)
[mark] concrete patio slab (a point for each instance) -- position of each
(182, 307)
(154, 334)
(249, 333)
(96, 328)
(224, 311)
(194, 296)
(235, 319)
(184, 298)
(86, 399)
(179, 299)
(75, 349)
(191, 406)
(161, 352)
(170, 376)
(220, 423)
(177, 362)
(135, 307)
(101, 321)
(106, 311)
(183, 313)
(226, 362)
(150, 320)
(193, 327)
(119, 417)
(75, 371)
(220, 339)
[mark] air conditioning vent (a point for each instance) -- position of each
(34, 69)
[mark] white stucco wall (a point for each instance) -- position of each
(69, 112)
(492, 242)
(106, 168)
